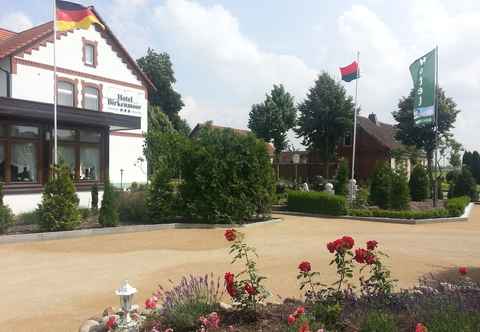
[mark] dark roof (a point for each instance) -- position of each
(28, 38)
(384, 133)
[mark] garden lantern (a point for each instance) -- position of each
(126, 292)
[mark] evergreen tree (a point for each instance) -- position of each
(108, 216)
(59, 208)
(381, 186)
(94, 194)
(475, 166)
(465, 185)
(400, 196)
(419, 183)
(341, 185)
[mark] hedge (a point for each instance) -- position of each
(316, 202)
(454, 207)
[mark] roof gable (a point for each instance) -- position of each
(5, 34)
(382, 132)
(37, 36)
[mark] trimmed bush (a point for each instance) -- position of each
(342, 179)
(419, 184)
(228, 177)
(381, 186)
(108, 216)
(408, 214)
(132, 207)
(94, 194)
(464, 185)
(59, 208)
(456, 206)
(316, 202)
(163, 201)
(400, 193)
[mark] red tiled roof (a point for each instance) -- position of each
(24, 39)
(27, 38)
(5, 34)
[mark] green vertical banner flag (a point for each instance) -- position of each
(423, 72)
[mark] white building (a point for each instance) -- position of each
(102, 113)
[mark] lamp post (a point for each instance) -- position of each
(126, 293)
(121, 178)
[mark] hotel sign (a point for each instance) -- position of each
(123, 101)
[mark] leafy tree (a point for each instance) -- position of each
(464, 185)
(162, 200)
(158, 121)
(158, 67)
(272, 119)
(419, 183)
(423, 137)
(472, 161)
(108, 216)
(58, 210)
(342, 179)
(381, 186)
(325, 116)
(400, 192)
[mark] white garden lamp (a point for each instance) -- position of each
(126, 292)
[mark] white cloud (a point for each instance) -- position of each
(15, 21)
(246, 72)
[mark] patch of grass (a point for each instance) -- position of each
(378, 321)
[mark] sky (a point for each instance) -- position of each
(227, 54)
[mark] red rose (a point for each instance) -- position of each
(230, 235)
(360, 255)
(372, 244)
(420, 328)
(370, 259)
(250, 289)
(304, 328)
(299, 311)
(229, 278)
(111, 323)
(331, 247)
(462, 270)
(338, 244)
(305, 266)
(151, 303)
(348, 242)
(291, 319)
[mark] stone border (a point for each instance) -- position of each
(48, 236)
(462, 218)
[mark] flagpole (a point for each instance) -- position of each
(55, 155)
(435, 186)
(355, 120)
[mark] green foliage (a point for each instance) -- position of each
(158, 120)
(59, 208)
(453, 320)
(108, 216)
(132, 208)
(227, 177)
(325, 116)
(464, 185)
(272, 119)
(456, 206)
(400, 192)
(328, 314)
(377, 321)
(316, 202)
(381, 186)
(472, 161)
(419, 183)
(163, 201)
(28, 218)
(341, 184)
(407, 214)
(158, 68)
(94, 194)
(6, 216)
(361, 199)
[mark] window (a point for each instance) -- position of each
(24, 162)
(66, 156)
(66, 93)
(2, 162)
(89, 163)
(91, 98)
(90, 136)
(89, 53)
(25, 131)
(347, 139)
(66, 134)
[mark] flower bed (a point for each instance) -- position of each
(195, 304)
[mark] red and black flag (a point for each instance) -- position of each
(350, 72)
(74, 16)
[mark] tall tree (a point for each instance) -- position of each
(272, 119)
(423, 137)
(325, 116)
(159, 69)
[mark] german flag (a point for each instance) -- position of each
(74, 16)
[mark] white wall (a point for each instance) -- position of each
(29, 202)
(124, 152)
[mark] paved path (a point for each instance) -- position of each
(52, 286)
